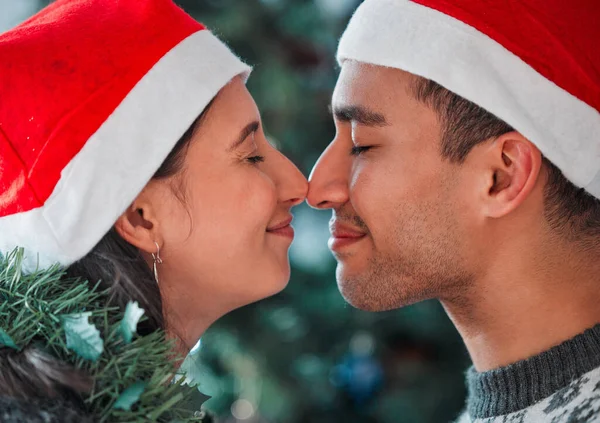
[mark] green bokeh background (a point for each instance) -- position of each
(305, 355)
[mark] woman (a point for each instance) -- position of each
(132, 154)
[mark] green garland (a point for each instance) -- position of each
(70, 320)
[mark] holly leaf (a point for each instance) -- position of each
(130, 396)
(128, 326)
(7, 341)
(82, 336)
(194, 397)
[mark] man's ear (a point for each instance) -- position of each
(138, 225)
(512, 166)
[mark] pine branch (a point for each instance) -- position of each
(33, 310)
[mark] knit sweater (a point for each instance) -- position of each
(561, 385)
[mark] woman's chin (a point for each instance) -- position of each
(281, 283)
(277, 281)
(262, 280)
(264, 291)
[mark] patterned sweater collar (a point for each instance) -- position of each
(522, 384)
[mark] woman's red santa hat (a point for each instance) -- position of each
(95, 94)
(533, 63)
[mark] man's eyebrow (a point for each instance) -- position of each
(244, 133)
(358, 114)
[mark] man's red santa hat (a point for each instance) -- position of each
(94, 95)
(533, 63)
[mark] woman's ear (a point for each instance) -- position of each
(138, 225)
(512, 165)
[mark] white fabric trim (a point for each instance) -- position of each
(425, 42)
(120, 158)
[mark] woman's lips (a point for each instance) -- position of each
(286, 231)
(283, 229)
(343, 236)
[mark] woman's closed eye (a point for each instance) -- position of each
(253, 157)
(256, 159)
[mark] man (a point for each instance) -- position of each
(466, 168)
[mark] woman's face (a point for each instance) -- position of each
(223, 221)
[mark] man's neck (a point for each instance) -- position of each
(526, 304)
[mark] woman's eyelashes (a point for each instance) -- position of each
(256, 159)
(251, 156)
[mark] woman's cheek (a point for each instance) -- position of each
(176, 219)
(260, 199)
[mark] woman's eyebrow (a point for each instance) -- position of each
(244, 133)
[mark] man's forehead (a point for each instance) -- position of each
(363, 86)
(365, 79)
(354, 68)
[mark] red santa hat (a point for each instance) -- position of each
(533, 63)
(95, 94)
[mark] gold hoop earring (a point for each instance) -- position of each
(157, 260)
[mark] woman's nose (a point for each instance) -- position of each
(293, 185)
(328, 187)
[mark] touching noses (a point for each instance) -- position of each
(328, 187)
(291, 183)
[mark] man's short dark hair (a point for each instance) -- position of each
(568, 209)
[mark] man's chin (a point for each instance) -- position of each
(359, 296)
(362, 304)
(369, 293)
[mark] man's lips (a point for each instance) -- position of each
(343, 235)
(283, 228)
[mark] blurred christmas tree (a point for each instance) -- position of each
(305, 355)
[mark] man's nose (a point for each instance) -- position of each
(328, 182)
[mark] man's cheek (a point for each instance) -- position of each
(369, 202)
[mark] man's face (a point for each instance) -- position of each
(398, 211)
